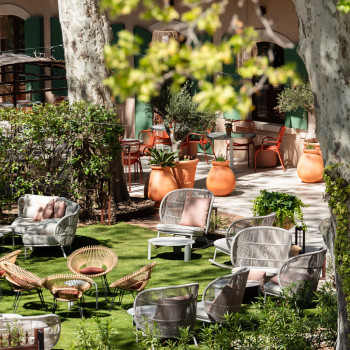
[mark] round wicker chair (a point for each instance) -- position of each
(134, 282)
(21, 280)
(11, 257)
(92, 262)
(68, 288)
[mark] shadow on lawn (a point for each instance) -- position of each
(175, 256)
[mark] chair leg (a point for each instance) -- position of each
(64, 253)
(105, 286)
(211, 145)
(54, 305)
(113, 299)
(41, 297)
(281, 160)
(17, 301)
(256, 152)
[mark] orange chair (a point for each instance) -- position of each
(131, 156)
(242, 126)
(147, 137)
(200, 138)
(270, 143)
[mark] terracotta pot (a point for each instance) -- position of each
(221, 179)
(310, 166)
(228, 131)
(161, 182)
(184, 172)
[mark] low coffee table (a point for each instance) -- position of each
(175, 242)
(4, 230)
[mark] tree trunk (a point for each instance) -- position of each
(324, 46)
(85, 31)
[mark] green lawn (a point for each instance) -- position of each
(130, 244)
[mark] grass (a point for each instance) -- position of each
(130, 244)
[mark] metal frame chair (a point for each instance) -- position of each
(297, 270)
(11, 257)
(22, 280)
(223, 245)
(147, 139)
(134, 282)
(131, 156)
(223, 295)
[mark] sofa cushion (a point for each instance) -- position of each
(49, 210)
(21, 225)
(45, 227)
(32, 202)
(39, 240)
(39, 212)
(173, 308)
(172, 228)
(259, 276)
(59, 208)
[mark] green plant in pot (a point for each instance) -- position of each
(286, 206)
(162, 158)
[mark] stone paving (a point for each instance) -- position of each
(247, 188)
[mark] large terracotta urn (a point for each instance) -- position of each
(310, 166)
(184, 172)
(161, 182)
(221, 179)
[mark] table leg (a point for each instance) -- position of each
(231, 154)
(149, 251)
(96, 295)
(187, 252)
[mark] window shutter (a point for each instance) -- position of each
(34, 41)
(58, 54)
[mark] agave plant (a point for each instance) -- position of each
(161, 158)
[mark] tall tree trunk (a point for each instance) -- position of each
(85, 31)
(324, 46)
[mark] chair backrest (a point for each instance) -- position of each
(146, 137)
(172, 205)
(225, 294)
(243, 125)
(262, 246)
(280, 135)
(240, 224)
(10, 257)
(303, 268)
(167, 307)
(51, 324)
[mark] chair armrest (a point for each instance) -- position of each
(66, 228)
(20, 206)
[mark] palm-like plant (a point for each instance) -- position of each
(161, 158)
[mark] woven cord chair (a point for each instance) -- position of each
(297, 272)
(167, 309)
(223, 295)
(134, 282)
(172, 208)
(68, 288)
(223, 245)
(11, 257)
(93, 261)
(22, 280)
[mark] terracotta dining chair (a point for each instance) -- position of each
(147, 138)
(270, 143)
(131, 156)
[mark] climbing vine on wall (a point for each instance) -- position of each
(338, 195)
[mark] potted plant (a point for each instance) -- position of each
(228, 127)
(161, 180)
(221, 179)
(181, 116)
(286, 206)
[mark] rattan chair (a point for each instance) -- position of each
(261, 247)
(21, 280)
(68, 288)
(167, 309)
(11, 257)
(223, 295)
(172, 208)
(298, 271)
(223, 245)
(134, 282)
(92, 262)
(50, 323)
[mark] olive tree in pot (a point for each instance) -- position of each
(182, 116)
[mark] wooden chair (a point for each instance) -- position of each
(131, 156)
(68, 288)
(11, 257)
(21, 280)
(223, 295)
(134, 282)
(243, 144)
(270, 143)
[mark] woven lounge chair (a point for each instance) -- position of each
(223, 295)
(93, 261)
(295, 272)
(186, 212)
(167, 308)
(22, 280)
(223, 245)
(68, 288)
(11, 257)
(134, 282)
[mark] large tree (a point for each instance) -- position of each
(86, 30)
(324, 46)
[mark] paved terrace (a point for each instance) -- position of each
(248, 185)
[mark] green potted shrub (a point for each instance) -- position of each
(286, 206)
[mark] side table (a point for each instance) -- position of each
(4, 230)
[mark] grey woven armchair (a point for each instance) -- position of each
(261, 247)
(176, 204)
(223, 245)
(298, 271)
(223, 295)
(167, 309)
